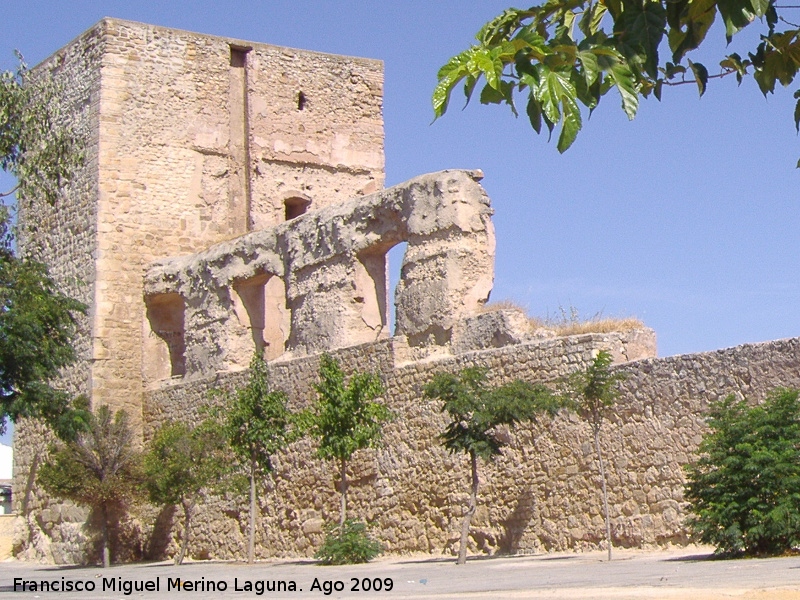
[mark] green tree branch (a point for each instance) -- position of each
(566, 55)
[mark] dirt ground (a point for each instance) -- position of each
(674, 574)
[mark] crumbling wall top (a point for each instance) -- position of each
(331, 265)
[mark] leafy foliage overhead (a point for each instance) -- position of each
(744, 490)
(564, 54)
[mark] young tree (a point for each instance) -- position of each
(345, 418)
(100, 469)
(591, 393)
(36, 331)
(35, 146)
(476, 411)
(564, 52)
(180, 463)
(36, 319)
(257, 425)
(744, 489)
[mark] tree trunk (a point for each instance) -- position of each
(473, 505)
(106, 551)
(26, 498)
(34, 469)
(605, 491)
(187, 515)
(343, 508)
(251, 541)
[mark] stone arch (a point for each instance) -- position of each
(165, 343)
(371, 285)
(260, 306)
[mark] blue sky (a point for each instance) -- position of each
(686, 217)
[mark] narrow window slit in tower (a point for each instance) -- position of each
(301, 100)
(238, 57)
(239, 184)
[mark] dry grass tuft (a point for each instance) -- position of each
(597, 325)
(503, 305)
(569, 323)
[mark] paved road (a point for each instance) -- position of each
(673, 575)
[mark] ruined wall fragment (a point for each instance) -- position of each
(332, 263)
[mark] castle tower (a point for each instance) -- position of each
(189, 140)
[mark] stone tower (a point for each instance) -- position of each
(189, 140)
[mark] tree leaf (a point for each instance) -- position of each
(534, 111)
(570, 125)
(622, 77)
(489, 95)
(676, 12)
(642, 28)
(736, 15)
(700, 75)
(671, 70)
(588, 95)
(590, 67)
(735, 63)
(531, 37)
(565, 27)
(501, 26)
(491, 68)
(449, 75)
(772, 17)
(777, 59)
(598, 12)
(760, 7)
(797, 115)
(614, 8)
(658, 88)
(699, 18)
(543, 92)
(469, 87)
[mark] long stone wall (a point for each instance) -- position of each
(542, 494)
